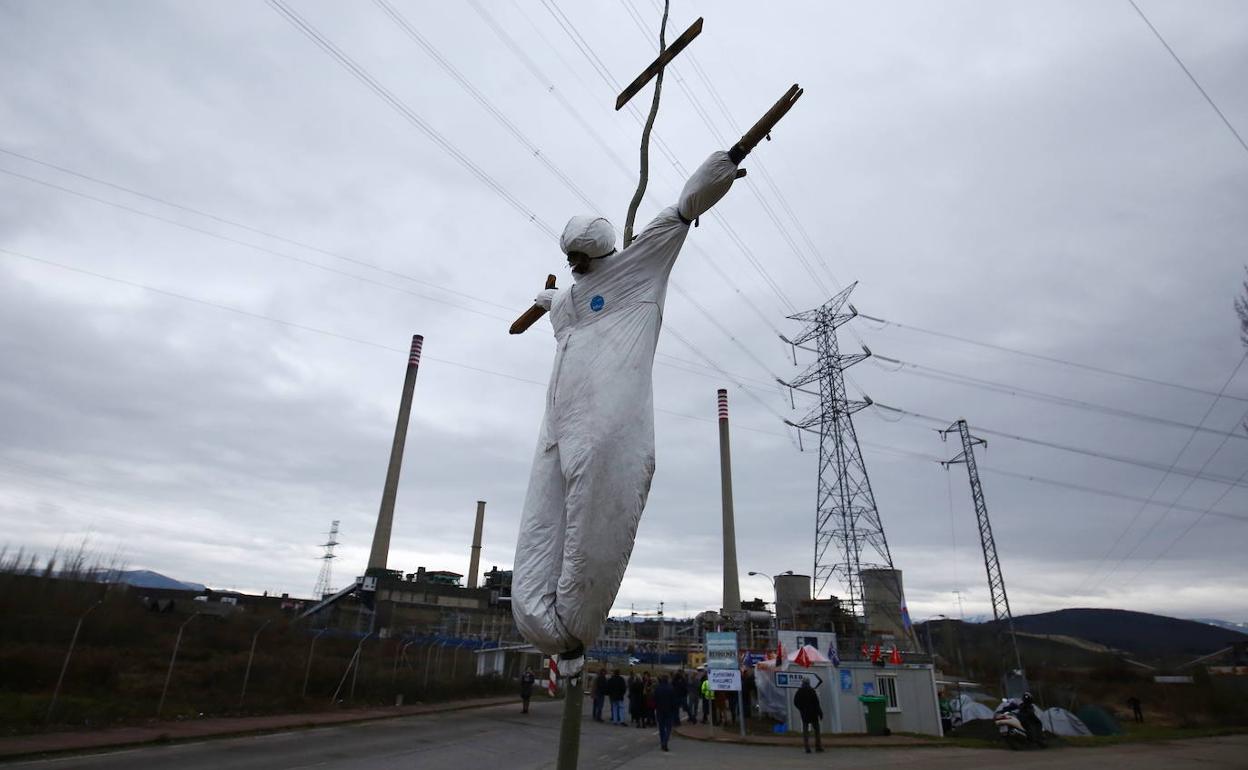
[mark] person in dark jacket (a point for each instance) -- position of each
(666, 709)
(807, 702)
(616, 689)
(600, 693)
(526, 688)
(636, 700)
(680, 686)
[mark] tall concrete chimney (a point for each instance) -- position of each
(732, 587)
(385, 517)
(475, 561)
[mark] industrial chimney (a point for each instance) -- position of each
(732, 588)
(385, 517)
(475, 561)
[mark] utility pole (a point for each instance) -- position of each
(845, 512)
(324, 581)
(1014, 685)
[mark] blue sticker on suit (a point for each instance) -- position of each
(597, 303)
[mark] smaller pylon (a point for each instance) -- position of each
(324, 581)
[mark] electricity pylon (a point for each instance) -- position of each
(1014, 685)
(325, 579)
(845, 510)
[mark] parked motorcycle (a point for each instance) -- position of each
(1018, 725)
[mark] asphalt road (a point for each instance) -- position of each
(500, 738)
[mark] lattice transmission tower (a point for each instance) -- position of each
(1017, 683)
(845, 514)
(324, 581)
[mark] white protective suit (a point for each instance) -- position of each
(595, 453)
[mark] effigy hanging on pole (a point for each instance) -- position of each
(595, 458)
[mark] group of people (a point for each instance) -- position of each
(651, 702)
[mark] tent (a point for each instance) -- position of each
(807, 655)
(1099, 721)
(1059, 721)
(971, 709)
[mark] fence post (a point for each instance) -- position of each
(65, 666)
(350, 666)
(173, 659)
(250, 656)
(308, 671)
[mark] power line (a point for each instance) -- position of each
(1051, 359)
(1178, 456)
(1191, 77)
(255, 315)
(245, 244)
(365, 77)
(1072, 449)
(944, 375)
(241, 226)
(1055, 482)
(362, 75)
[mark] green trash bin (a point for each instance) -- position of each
(873, 706)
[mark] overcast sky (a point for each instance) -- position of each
(205, 310)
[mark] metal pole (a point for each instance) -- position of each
(359, 663)
(65, 665)
(250, 656)
(385, 517)
(428, 658)
(570, 728)
(308, 670)
(173, 659)
(350, 666)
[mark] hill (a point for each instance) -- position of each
(145, 578)
(1140, 634)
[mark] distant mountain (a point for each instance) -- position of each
(1227, 624)
(1142, 635)
(144, 578)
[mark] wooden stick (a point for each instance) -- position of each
(645, 139)
(751, 138)
(658, 64)
(531, 315)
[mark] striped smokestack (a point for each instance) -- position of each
(732, 589)
(474, 562)
(385, 517)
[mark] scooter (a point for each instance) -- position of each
(1011, 729)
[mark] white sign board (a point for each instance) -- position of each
(820, 640)
(795, 678)
(721, 650)
(723, 679)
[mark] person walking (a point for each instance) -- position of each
(600, 693)
(636, 700)
(1137, 708)
(648, 717)
(526, 689)
(666, 709)
(680, 688)
(708, 697)
(807, 702)
(693, 697)
(616, 689)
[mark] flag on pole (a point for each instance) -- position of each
(779, 653)
(905, 617)
(552, 683)
(832, 656)
(876, 654)
(866, 652)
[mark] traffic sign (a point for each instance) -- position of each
(795, 678)
(721, 650)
